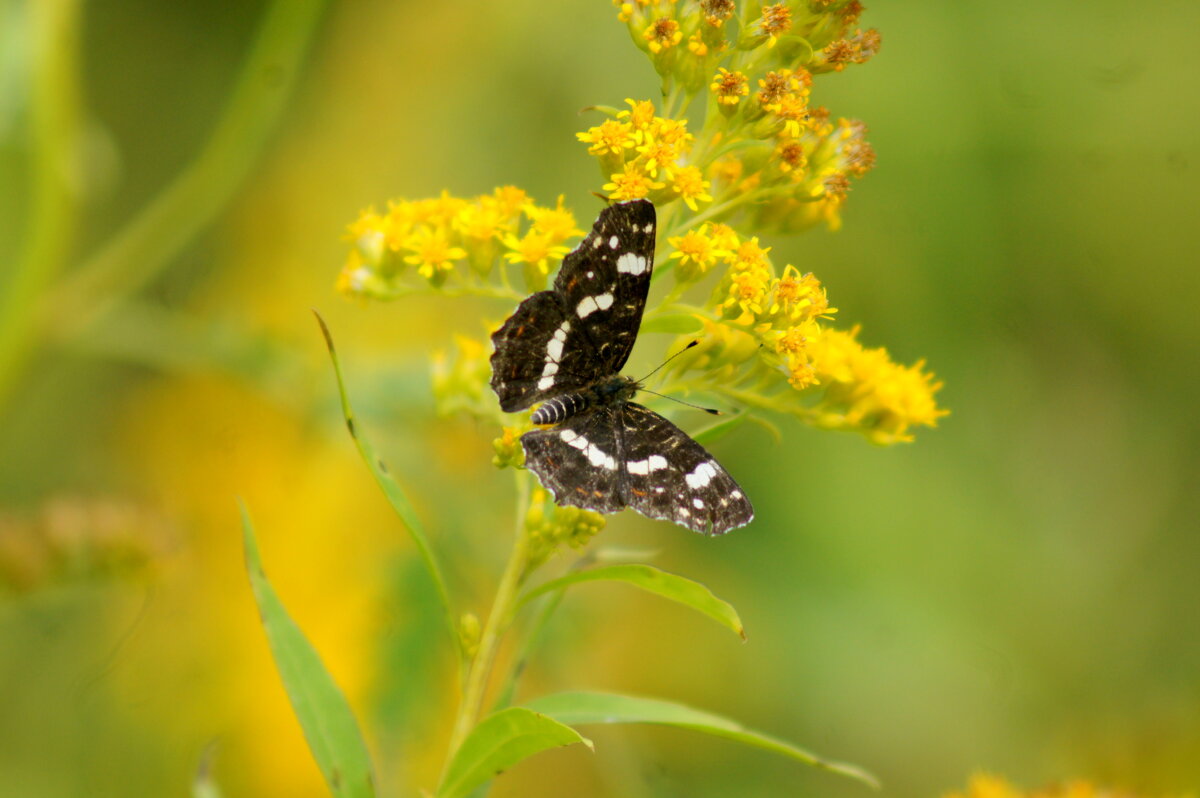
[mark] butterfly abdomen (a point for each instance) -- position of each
(559, 408)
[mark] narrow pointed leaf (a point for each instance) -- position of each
(329, 726)
(581, 708)
(500, 741)
(392, 490)
(653, 580)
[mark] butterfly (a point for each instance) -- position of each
(565, 348)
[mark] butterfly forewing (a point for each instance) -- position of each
(579, 460)
(604, 281)
(667, 475)
(582, 330)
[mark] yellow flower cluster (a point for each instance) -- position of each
(764, 151)
(454, 244)
(644, 156)
(866, 391)
(988, 786)
(549, 526)
(763, 339)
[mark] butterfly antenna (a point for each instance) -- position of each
(711, 410)
(672, 398)
(665, 362)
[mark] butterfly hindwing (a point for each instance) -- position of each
(669, 476)
(603, 282)
(579, 460)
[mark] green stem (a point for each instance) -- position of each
(53, 138)
(497, 624)
(139, 251)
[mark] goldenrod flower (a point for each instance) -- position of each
(662, 34)
(747, 292)
(751, 255)
(724, 238)
(481, 221)
(697, 251)
(432, 252)
(729, 87)
(557, 223)
(511, 200)
(790, 157)
(801, 296)
(690, 185)
(717, 11)
(775, 20)
(534, 249)
(868, 392)
(611, 137)
(640, 114)
(632, 183)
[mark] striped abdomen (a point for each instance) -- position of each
(560, 408)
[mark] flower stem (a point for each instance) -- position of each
(497, 624)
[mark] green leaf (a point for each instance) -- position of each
(499, 742)
(581, 708)
(670, 586)
(715, 431)
(392, 490)
(329, 725)
(678, 323)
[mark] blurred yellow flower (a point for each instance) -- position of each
(432, 252)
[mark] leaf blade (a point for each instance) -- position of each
(325, 716)
(500, 741)
(395, 494)
(670, 586)
(582, 708)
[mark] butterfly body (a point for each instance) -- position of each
(614, 390)
(564, 348)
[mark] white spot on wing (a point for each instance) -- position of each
(567, 435)
(702, 475)
(545, 382)
(638, 467)
(657, 462)
(598, 458)
(614, 242)
(604, 301)
(586, 305)
(579, 442)
(649, 228)
(550, 368)
(554, 349)
(698, 504)
(631, 263)
(596, 242)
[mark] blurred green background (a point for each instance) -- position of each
(1016, 591)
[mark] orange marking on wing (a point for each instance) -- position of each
(637, 492)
